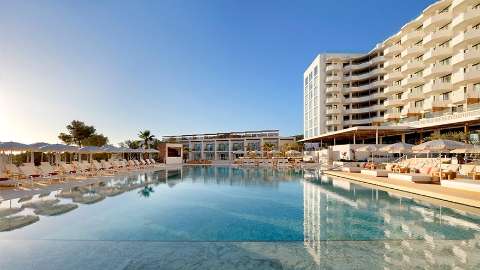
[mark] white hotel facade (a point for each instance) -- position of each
(425, 78)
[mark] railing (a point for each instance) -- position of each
(450, 117)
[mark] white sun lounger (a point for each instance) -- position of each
(411, 177)
(376, 173)
(464, 184)
(352, 169)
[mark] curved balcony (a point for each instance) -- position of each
(412, 52)
(391, 115)
(437, 71)
(393, 76)
(372, 85)
(362, 99)
(411, 37)
(413, 95)
(413, 81)
(437, 37)
(334, 67)
(464, 38)
(462, 58)
(465, 18)
(359, 121)
(393, 50)
(410, 110)
(333, 111)
(435, 104)
(333, 89)
(393, 89)
(393, 102)
(437, 87)
(437, 53)
(376, 60)
(411, 66)
(333, 122)
(471, 96)
(331, 100)
(393, 63)
(373, 108)
(460, 77)
(437, 20)
(370, 74)
(333, 78)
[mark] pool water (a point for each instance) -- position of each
(234, 218)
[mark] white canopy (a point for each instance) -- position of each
(440, 146)
(57, 148)
(90, 150)
(400, 147)
(35, 146)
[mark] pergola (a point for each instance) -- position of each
(361, 133)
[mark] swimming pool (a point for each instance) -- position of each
(223, 217)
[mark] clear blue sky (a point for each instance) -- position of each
(173, 66)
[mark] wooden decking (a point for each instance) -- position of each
(457, 196)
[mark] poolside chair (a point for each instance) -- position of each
(7, 181)
(96, 166)
(13, 171)
(376, 172)
(33, 174)
(466, 170)
(47, 169)
(411, 177)
(67, 169)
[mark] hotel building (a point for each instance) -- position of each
(424, 79)
(227, 146)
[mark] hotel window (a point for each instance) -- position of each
(476, 26)
(446, 78)
(315, 71)
(476, 87)
(397, 69)
(476, 46)
(397, 56)
(445, 44)
(445, 9)
(446, 96)
(419, 103)
(419, 58)
(419, 43)
(445, 61)
(476, 66)
(419, 27)
(446, 26)
(476, 6)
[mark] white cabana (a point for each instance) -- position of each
(293, 153)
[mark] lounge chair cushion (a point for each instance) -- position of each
(351, 169)
(411, 177)
(376, 173)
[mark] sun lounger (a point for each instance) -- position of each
(464, 184)
(376, 173)
(6, 181)
(33, 174)
(352, 169)
(411, 177)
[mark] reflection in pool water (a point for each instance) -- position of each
(247, 218)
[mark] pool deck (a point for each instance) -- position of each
(457, 196)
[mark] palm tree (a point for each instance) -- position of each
(147, 137)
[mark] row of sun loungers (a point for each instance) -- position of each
(264, 162)
(418, 170)
(45, 172)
